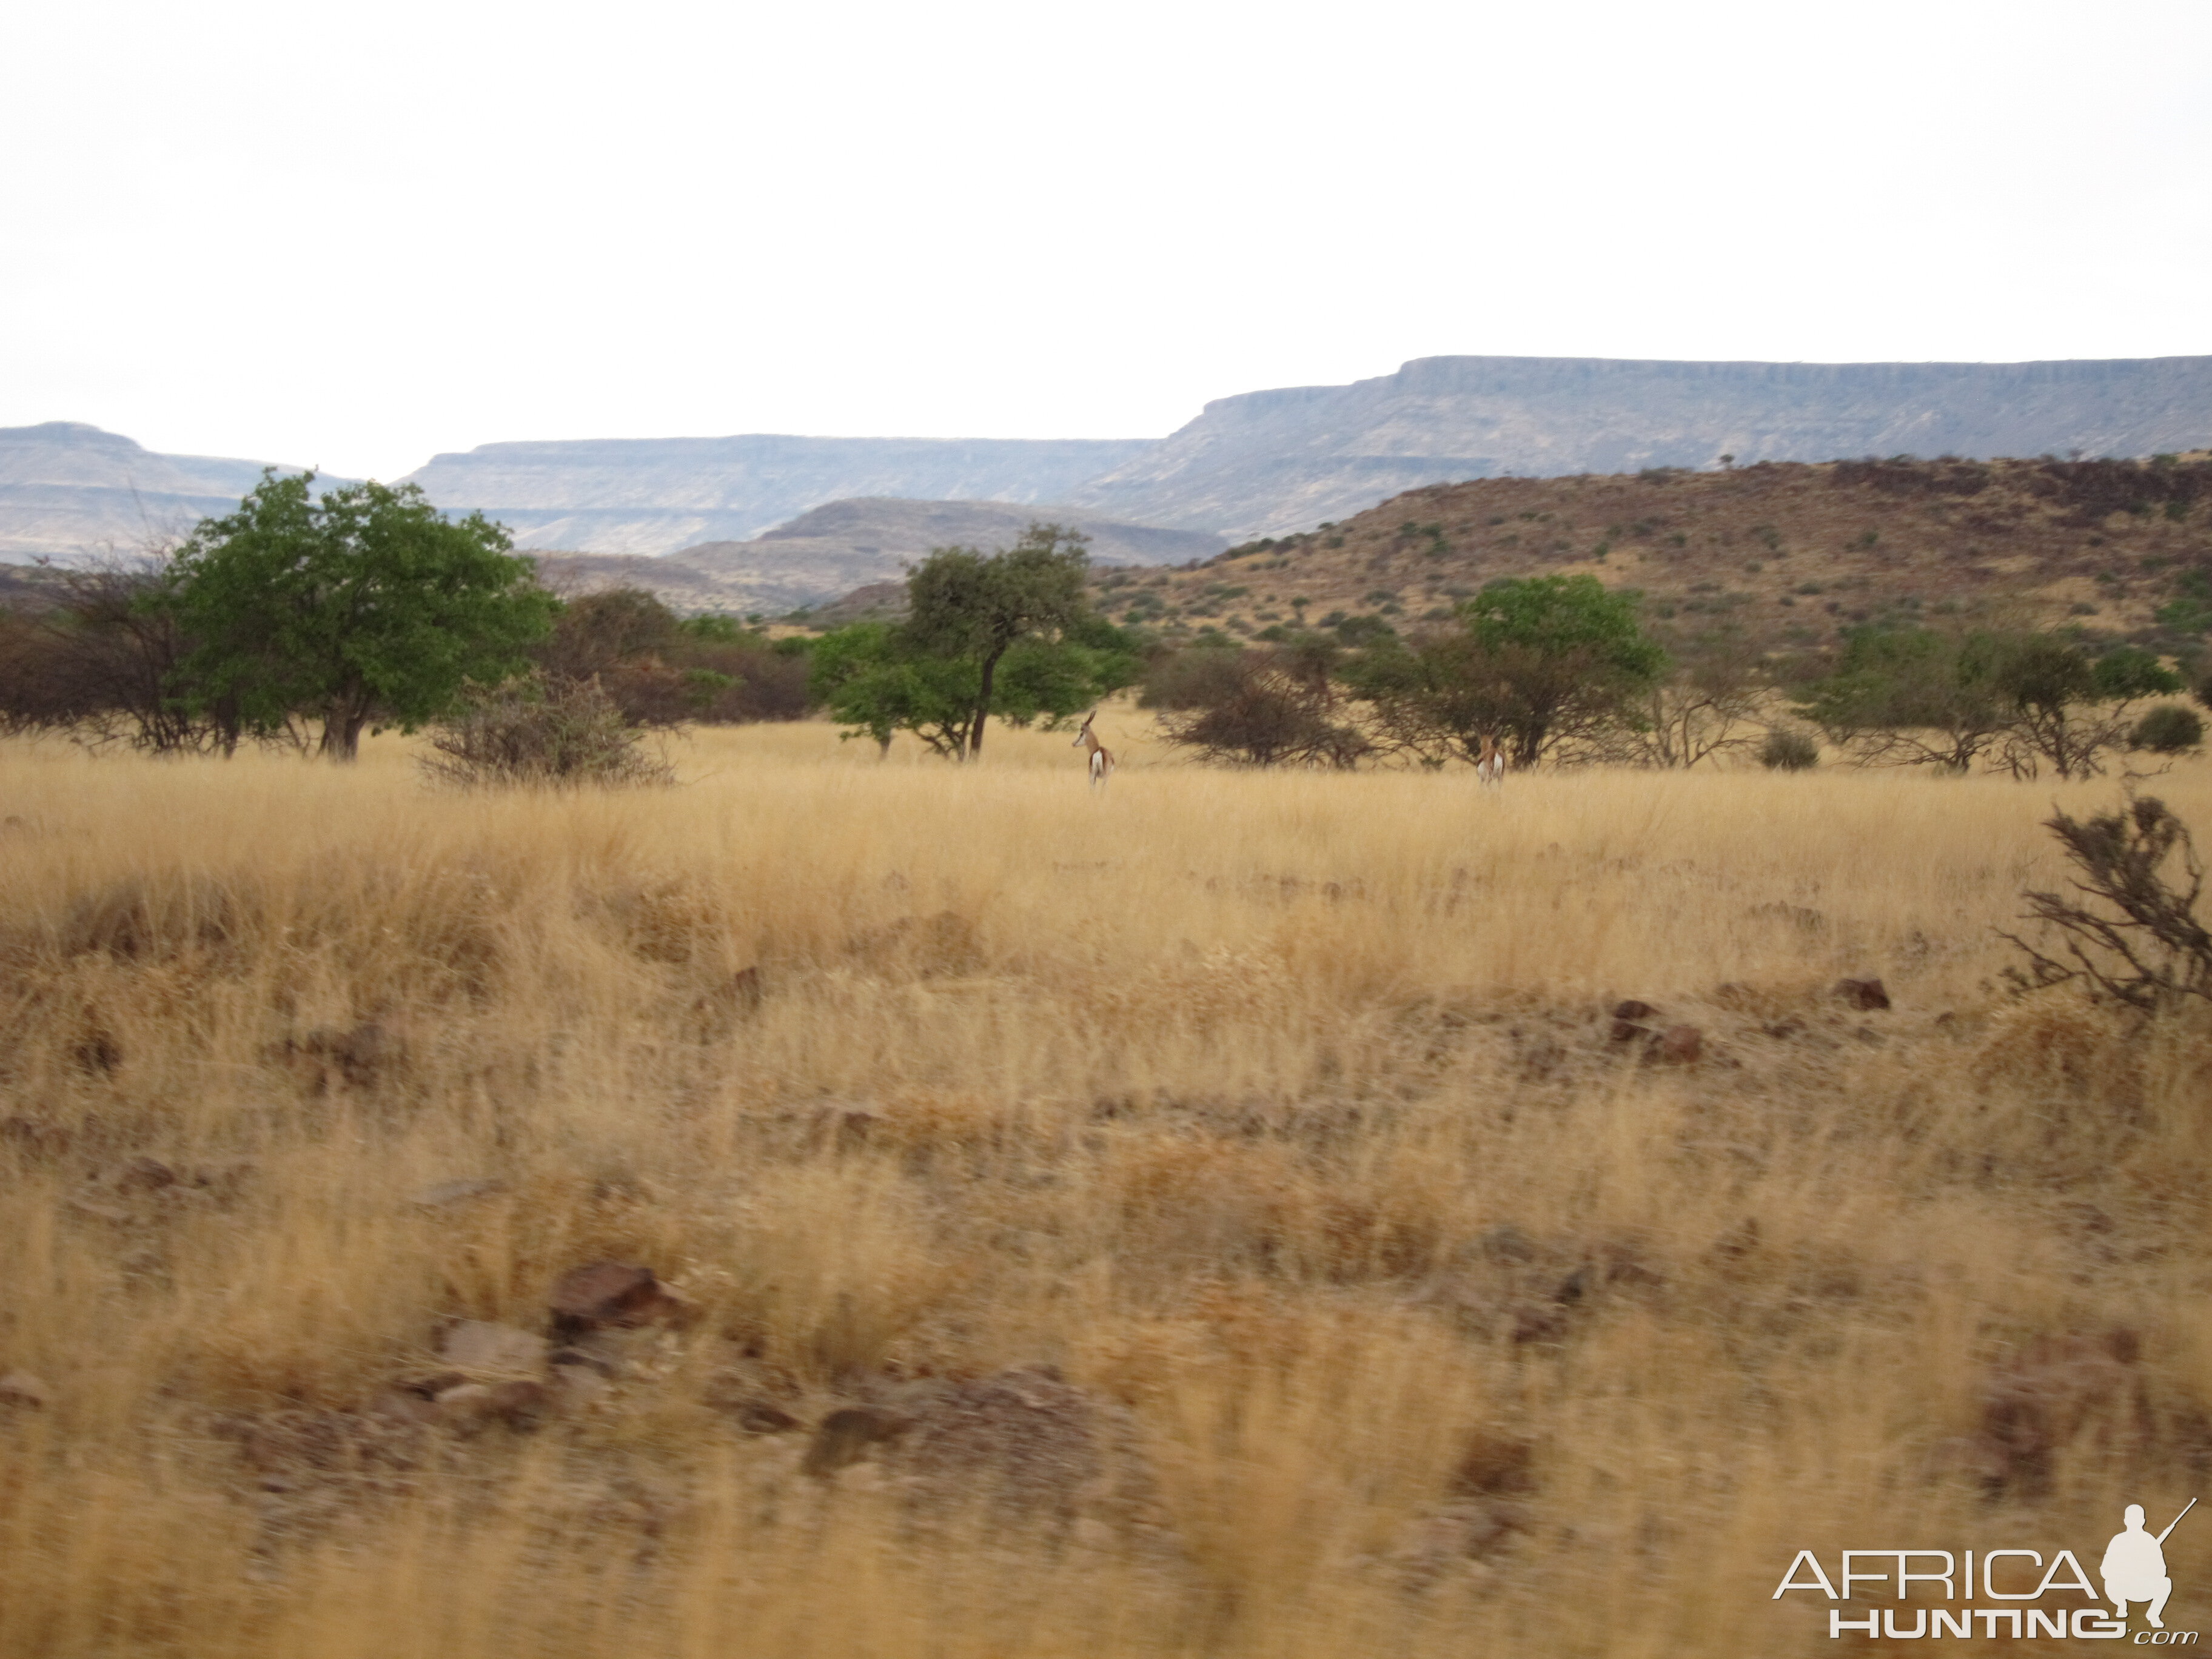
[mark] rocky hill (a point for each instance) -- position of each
(71, 491)
(1785, 554)
(846, 545)
(658, 495)
(1270, 461)
(841, 545)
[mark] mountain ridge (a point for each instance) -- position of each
(1265, 463)
(69, 489)
(661, 494)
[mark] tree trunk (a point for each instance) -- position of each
(342, 724)
(982, 703)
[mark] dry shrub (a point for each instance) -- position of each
(2070, 1053)
(535, 732)
(2132, 933)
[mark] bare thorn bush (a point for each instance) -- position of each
(2129, 932)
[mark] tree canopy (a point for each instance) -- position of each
(1009, 634)
(365, 605)
(1533, 660)
(2015, 700)
(966, 604)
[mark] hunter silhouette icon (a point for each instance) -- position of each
(2134, 1568)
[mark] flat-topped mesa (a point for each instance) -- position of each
(658, 495)
(1265, 463)
(71, 491)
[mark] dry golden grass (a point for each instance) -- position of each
(1278, 1109)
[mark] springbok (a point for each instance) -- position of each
(1490, 765)
(1101, 757)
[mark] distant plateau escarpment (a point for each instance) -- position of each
(1261, 464)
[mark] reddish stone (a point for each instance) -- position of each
(1862, 992)
(612, 1293)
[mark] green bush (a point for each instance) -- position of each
(2168, 730)
(1789, 751)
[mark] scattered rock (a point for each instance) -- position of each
(1862, 992)
(759, 1417)
(447, 1194)
(22, 1388)
(575, 1384)
(1029, 1440)
(402, 1406)
(464, 1403)
(98, 1211)
(518, 1404)
(845, 1436)
(1495, 1463)
(476, 1346)
(1627, 1030)
(612, 1293)
(433, 1385)
(594, 1359)
(1678, 1045)
(1632, 1009)
(521, 1403)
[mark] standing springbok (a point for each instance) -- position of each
(1101, 757)
(1490, 765)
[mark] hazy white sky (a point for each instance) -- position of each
(353, 235)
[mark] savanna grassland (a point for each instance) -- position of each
(1391, 1306)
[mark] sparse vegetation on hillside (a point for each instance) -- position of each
(1791, 554)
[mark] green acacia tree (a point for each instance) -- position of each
(2015, 701)
(362, 606)
(876, 680)
(966, 604)
(1534, 660)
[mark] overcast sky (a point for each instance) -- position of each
(354, 235)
